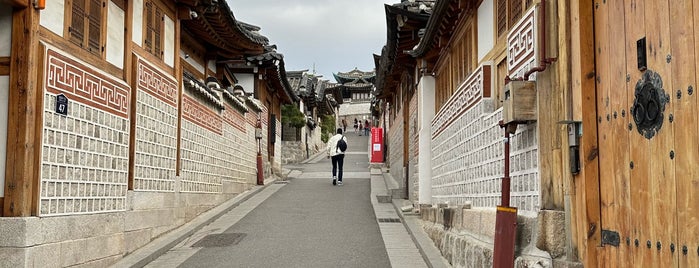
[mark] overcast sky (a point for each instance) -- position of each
(336, 35)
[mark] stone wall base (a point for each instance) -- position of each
(465, 236)
(99, 240)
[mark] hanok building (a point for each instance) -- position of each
(127, 119)
(592, 99)
(356, 89)
(314, 105)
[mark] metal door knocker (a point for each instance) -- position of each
(649, 104)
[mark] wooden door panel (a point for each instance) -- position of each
(662, 170)
(608, 256)
(620, 120)
(638, 188)
(683, 32)
(638, 146)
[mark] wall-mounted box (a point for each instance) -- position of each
(520, 102)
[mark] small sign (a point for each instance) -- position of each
(62, 104)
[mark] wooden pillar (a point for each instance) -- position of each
(586, 209)
(21, 182)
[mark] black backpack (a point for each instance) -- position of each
(342, 144)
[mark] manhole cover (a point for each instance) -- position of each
(219, 240)
(389, 220)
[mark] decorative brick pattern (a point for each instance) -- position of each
(156, 130)
(84, 159)
(79, 83)
(468, 161)
(233, 117)
(521, 45)
(469, 93)
(203, 148)
(201, 115)
(156, 83)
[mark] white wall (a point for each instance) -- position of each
(52, 16)
(192, 62)
(486, 28)
(247, 81)
(212, 65)
(115, 35)
(137, 22)
(169, 38)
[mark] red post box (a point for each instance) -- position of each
(376, 145)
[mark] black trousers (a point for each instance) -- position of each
(338, 161)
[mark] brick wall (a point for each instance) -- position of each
(84, 158)
(468, 161)
(156, 130)
(395, 149)
(414, 150)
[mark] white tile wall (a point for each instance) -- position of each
(84, 160)
(468, 161)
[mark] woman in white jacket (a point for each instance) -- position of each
(337, 156)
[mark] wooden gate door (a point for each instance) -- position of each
(646, 80)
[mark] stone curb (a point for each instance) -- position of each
(159, 246)
(433, 258)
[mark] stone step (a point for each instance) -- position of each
(383, 198)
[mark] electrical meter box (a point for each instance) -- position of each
(519, 105)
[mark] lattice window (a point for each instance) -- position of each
(508, 12)
(153, 42)
(502, 16)
(86, 25)
(515, 11)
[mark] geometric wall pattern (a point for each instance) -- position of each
(468, 161)
(156, 130)
(84, 154)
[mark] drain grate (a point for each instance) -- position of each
(389, 220)
(219, 240)
(281, 182)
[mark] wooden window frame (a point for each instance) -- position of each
(154, 33)
(513, 11)
(83, 35)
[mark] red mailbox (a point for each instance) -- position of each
(376, 145)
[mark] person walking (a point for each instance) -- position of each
(367, 127)
(337, 155)
(344, 126)
(355, 126)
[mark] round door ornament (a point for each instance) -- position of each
(649, 104)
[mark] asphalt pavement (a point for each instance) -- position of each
(301, 221)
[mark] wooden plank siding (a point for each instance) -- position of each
(22, 114)
(551, 111)
(586, 212)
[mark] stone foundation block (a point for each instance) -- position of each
(135, 239)
(551, 227)
(136, 220)
(20, 232)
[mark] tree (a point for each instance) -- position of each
(327, 127)
(293, 116)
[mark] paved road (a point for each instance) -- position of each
(307, 222)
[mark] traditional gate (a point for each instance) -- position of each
(647, 115)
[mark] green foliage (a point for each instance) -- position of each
(293, 116)
(327, 127)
